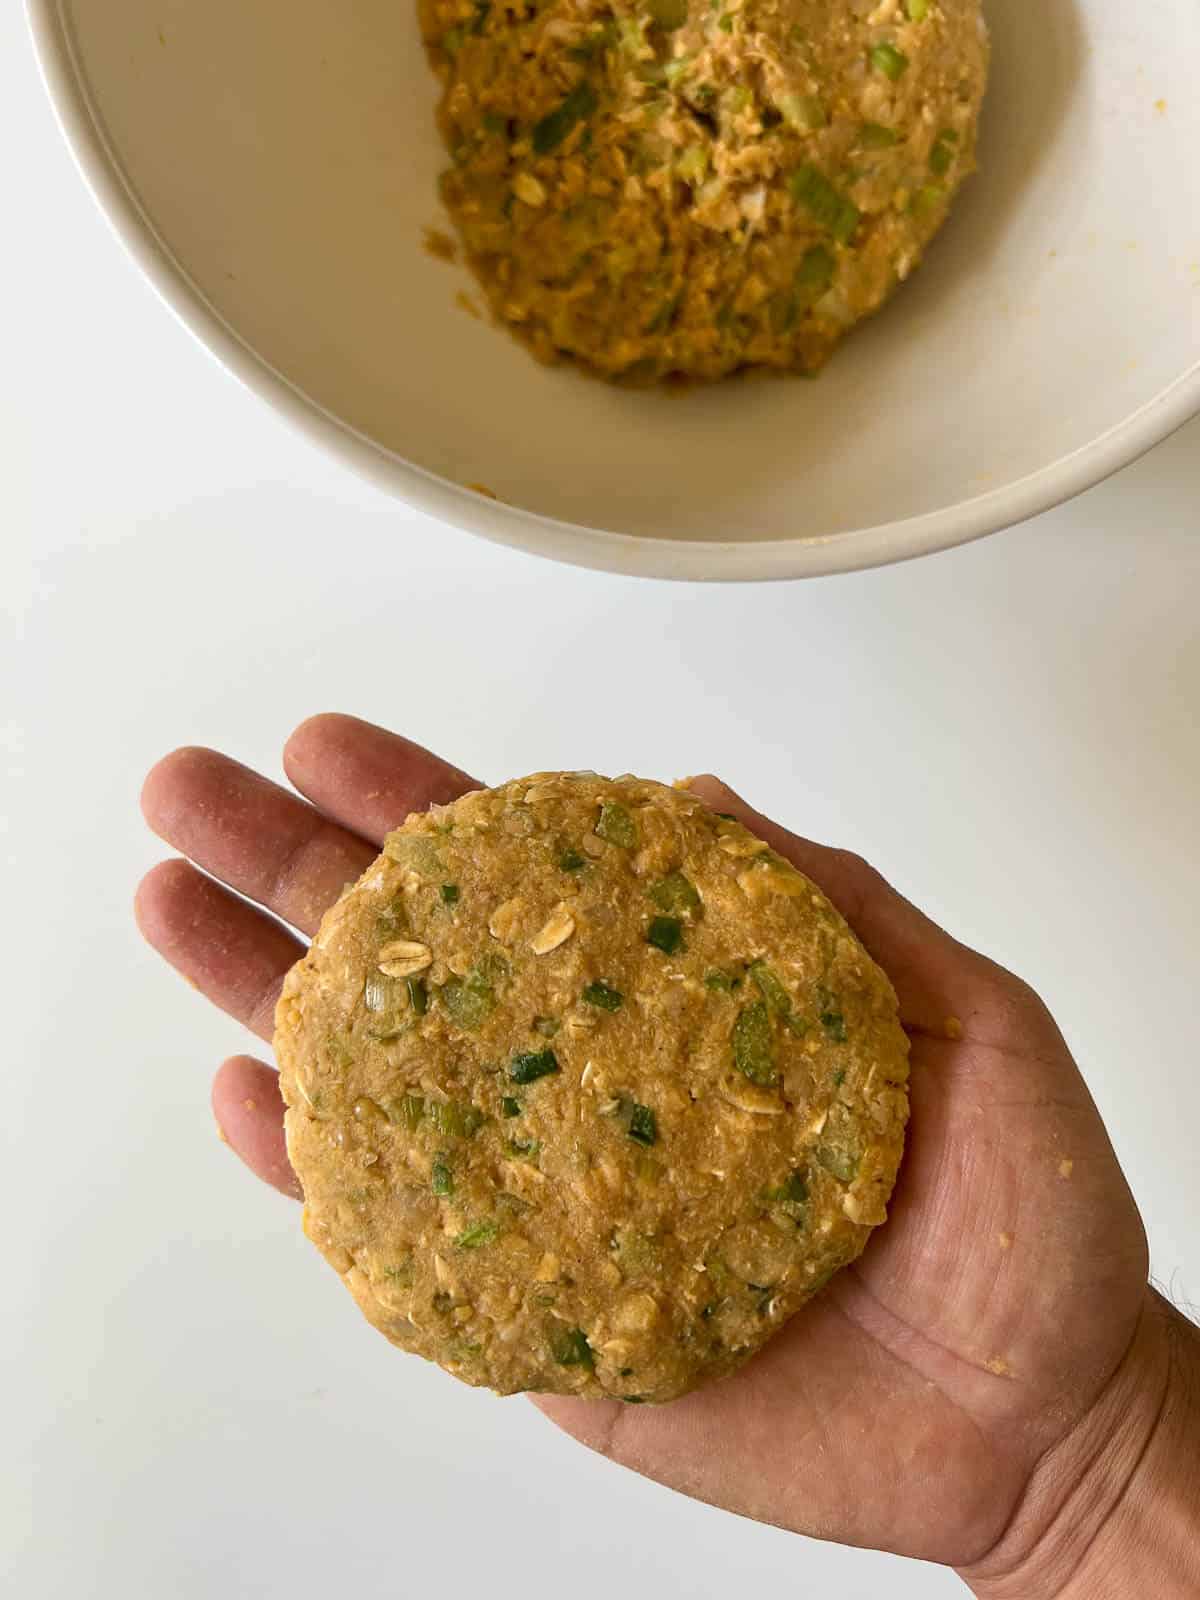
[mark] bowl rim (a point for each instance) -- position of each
(574, 544)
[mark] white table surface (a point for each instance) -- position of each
(192, 1407)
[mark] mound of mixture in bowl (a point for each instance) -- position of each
(688, 187)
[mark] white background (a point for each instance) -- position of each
(193, 1408)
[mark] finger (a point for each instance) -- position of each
(249, 1111)
(230, 951)
(938, 981)
(365, 777)
(252, 834)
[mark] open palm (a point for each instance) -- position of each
(907, 1407)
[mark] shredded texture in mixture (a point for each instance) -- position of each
(588, 1090)
(693, 186)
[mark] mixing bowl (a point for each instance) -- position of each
(272, 167)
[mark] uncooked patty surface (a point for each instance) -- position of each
(693, 186)
(588, 1090)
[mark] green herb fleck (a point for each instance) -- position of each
(530, 1065)
(665, 934)
(943, 153)
(571, 1349)
(839, 1077)
(510, 1107)
(752, 1045)
(449, 894)
(441, 1178)
(407, 1111)
(725, 23)
(887, 59)
(550, 132)
(790, 1196)
(571, 861)
(926, 199)
(600, 995)
(811, 189)
(718, 982)
(835, 1025)
(455, 1118)
(616, 825)
(643, 1127)
(917, 10)
(470, 1000)
(479, 1233)
(482, 11)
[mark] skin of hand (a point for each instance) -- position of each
(992, 1386)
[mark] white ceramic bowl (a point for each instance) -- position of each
(272, 167)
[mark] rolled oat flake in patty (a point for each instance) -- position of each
(588, 1089)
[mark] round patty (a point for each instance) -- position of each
(588, 1090)
(693, 186)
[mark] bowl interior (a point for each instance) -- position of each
(286, 158)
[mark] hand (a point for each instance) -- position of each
(946, 1397)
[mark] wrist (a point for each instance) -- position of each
(1114, 1510)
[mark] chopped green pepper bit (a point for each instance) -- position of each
(752, 1045)
(553, 128)
(418, 996)
(479, 1233)
(605, 999)
(841, 1163)
(510, 1107)
(643, 1127)
(665, 934)
(571, 1349)
(812, 189)
(616, 825)
(530, 1065)
(874, 136)
(571, 861)
(449, 894)
(887, 59)
(675, 894)
(441, 1178)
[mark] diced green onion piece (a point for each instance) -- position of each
(455, 1118)
(379, 992)
(917, 10)
(841, 1163)
(665, 934)
(674, 893)
(470, 1000)
(418, 997)
(571, 1349)
(523, 1149)
(772, 991)
(803, 111)
(725, 23)
(813, 190)
(449, 894)
(891, 62)
(550, 132)
(814, 274)
(718, 982)
(599, 994)
(643, 1128)
(571, 861)
(839, 1077)
(479, 1233)
(407, 1111)
(752, 1045)
(616, 825)
(482, 12)
(530, 1065)
(941, 157)
(441, 1178)
(510, 1107)
(875, 136)
(835, 1025)
(791, 1195)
